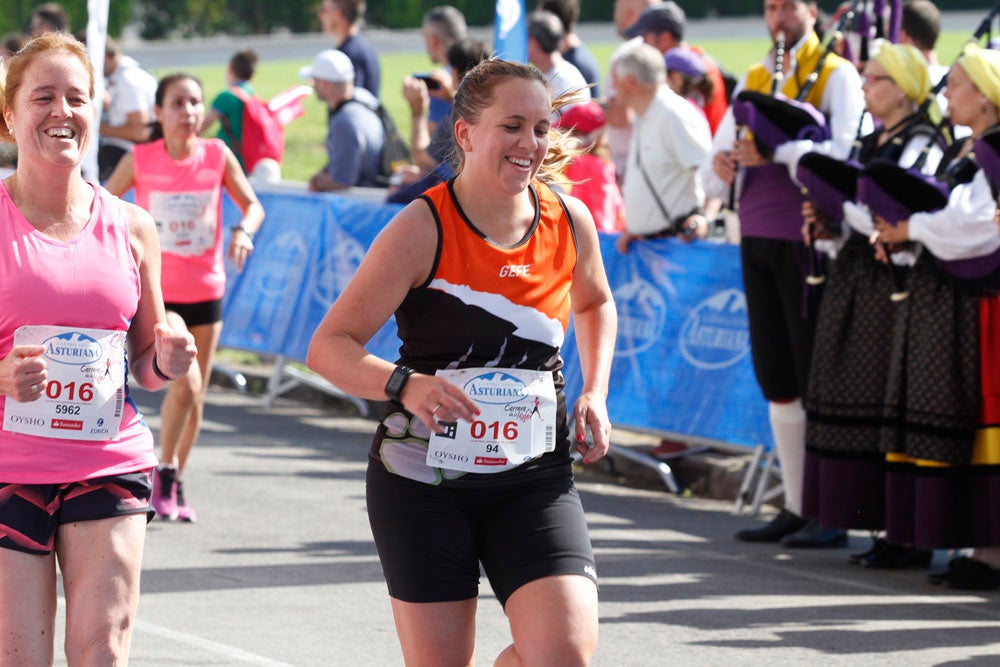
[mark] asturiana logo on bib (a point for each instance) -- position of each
(642, 313)
(72, 348)
(716, 333)
(496, 388)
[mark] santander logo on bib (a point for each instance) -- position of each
(497, 388)
(73, 348)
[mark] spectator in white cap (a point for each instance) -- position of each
(355, 138)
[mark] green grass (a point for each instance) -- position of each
(304, 150)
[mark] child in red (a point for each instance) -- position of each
(591, 176)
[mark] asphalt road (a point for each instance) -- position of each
(281, 570)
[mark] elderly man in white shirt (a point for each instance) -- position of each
(670, 140)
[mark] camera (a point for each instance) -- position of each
(429, 81)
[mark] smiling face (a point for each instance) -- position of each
(509, 140)
(182, 110)
(51, 113)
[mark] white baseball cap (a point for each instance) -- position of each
(329, 65)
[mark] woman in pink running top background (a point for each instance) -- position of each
(178, 177)
(80, 271)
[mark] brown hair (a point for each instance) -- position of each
(476, 94)
(12, 70)
(244, 64)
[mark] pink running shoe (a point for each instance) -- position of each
(184, 511)
(165, 492)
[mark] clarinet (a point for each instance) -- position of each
(815, 276)
(778, 77)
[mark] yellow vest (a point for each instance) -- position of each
(759, 77)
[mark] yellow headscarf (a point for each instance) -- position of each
(983, 67)
(907, 67)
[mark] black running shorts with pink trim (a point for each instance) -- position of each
(30, 514)
(432, 539)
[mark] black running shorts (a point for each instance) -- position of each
(196, 314)
(432, 539)
(30, 514)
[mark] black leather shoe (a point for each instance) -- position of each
(974, 575)
(814, 536)
(898, 557)
(877, 545)
(954, 565)
(785, 523)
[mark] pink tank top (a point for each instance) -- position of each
(91, 281)
(185, 199)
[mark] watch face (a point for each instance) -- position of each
(397, 381)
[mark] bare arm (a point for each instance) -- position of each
(150, 339)
(416, 94)
(595, 322)
(136, 128)
(399, 259)
(211, 116)
(242, 194)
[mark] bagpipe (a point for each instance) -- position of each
(775, 118)
(889, 190)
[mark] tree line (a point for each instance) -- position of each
(186, 18)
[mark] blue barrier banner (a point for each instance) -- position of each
(510, 31)
(682, 358)
(307, 250)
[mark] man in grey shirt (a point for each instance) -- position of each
(355, 137)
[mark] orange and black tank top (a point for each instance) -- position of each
(486, 305)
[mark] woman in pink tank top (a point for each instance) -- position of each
(178, 177)
(80, 307)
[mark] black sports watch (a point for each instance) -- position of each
(394, 387)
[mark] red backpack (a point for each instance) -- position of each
(263, 133)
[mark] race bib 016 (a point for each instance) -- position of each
(84, 394)
(185, 221)
(517, 421)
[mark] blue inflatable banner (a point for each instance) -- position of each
(510, 31)
(308, 248)
(682, 358)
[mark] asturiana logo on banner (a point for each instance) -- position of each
(642, 313)
(336, 269)
(286, 253)
(496, 388)
(716, 334)
(73, 348)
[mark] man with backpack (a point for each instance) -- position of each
(246, 123)
(356, 137)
